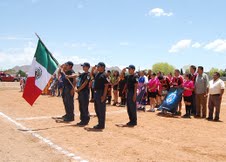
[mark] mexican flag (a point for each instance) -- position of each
(42, 68)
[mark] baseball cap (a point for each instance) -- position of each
(131, 67)
(69, 63)
(85, 64)
(101, 64)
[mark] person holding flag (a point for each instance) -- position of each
(43, 66)
(68, 91)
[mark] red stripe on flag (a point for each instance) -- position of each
(31, 91)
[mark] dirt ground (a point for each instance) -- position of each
(156, 138)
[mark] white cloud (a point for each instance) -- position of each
(14, 38)
(15, 56)
(182, 44)
(23, 56)
(124, 43)
(159, 12)
(218, 45)
(196, 45)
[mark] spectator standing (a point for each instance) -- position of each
(216, 91)
(188, 89)
(201, 91)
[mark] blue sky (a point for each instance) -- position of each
(117, 32)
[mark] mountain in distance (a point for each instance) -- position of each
(24, 68)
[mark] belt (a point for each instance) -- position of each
(215, 94)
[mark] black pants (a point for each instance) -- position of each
(83, 99)
(123, 101)
(131, 108)
(68, 101)
(188, 107)
(100, 107)
(92, 93)
(193, 110)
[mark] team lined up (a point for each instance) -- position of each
(137, 90)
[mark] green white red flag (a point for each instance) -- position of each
(43, 66)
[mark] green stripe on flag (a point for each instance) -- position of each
(44, 57)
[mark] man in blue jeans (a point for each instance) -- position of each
(131, 88)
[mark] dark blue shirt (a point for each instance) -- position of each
(82, 78)
(100, 81)
(66, 83)
(131, 81)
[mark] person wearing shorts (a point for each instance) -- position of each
(152, 90)
(188, 89)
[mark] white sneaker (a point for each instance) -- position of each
(151, 110)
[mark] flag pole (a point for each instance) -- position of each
(47, 50)
(54, 60)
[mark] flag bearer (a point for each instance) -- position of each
(68, 92)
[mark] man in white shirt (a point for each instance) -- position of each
(216, 91)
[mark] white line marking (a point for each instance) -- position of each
(45, 140)
(34, 118)
(49, 117)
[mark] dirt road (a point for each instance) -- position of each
(156, 138)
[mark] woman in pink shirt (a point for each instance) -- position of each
(188, 89)
(152, 90)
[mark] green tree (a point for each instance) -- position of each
(21, 73)
(163, 67)
(224, 73)
(212, 70)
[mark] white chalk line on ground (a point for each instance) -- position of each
(45, 140)
(49, 117)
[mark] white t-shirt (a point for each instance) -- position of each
(145, 79)
(215, 87)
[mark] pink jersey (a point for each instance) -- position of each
(152, 83)
(188, 84)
